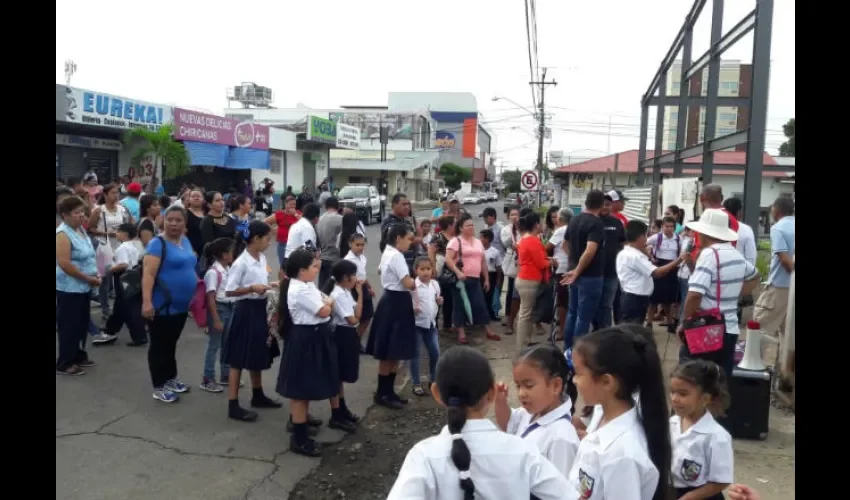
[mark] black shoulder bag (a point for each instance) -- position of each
(447, 276)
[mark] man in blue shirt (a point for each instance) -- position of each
(131, 201)
(772, 305)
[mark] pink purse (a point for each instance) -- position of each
(704, 331)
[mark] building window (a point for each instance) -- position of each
(724, 131)
(276, 162)
(674, 116)
(728, 117)
(730, 86)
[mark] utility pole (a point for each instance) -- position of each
(541, 133)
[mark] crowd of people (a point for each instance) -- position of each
(592, 271)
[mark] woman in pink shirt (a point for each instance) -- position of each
(465, 256)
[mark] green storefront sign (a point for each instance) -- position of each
(321, 130)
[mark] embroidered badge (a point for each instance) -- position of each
(586, 483)
(690, 470)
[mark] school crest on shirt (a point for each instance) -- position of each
(690, 470)
(585, 482)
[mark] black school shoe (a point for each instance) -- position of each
(311, 429)
(264, 401)
(313, 421)
(342, 424)
(308, 448)
(388, 401)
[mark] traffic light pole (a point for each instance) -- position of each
(541, 131)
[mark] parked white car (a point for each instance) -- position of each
(470, 199)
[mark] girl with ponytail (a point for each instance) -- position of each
(626, 453)
(472, 458)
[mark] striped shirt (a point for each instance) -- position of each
(734, 270)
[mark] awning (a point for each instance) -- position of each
(222, 156)
(406, 161)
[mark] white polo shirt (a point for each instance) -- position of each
(426, 295)
(667, 248)
(634, 270)
(613, 462)
(504, 467)
(215, 280)
(553, 434)
(247, 271)
(393, 269)
(343, 306)
(702, 454)
(300, 234)
(304, 301)
(360, 261)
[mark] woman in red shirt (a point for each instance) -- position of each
(283, 219)
(533, 270)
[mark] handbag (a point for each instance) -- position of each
(544, 303)
(447, 276)
(705, 330)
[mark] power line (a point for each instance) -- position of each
(531, 64)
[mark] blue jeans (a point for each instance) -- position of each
(604, 317)
(103, 294)
(585, 296)
(429, 338)
(215, 340)
(497, 299)
(281, 252)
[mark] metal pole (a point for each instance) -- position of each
(659, 135)
(711, 94)
(644, 131)
(542, 134)
(758, 111)
(684, 93)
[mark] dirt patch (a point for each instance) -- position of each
(364, 466)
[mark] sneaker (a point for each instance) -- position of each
(165, 395)
(175, 385)
(86, 363)
(103, 338)
(210, 386)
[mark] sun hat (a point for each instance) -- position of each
(714, 223)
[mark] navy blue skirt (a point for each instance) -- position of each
(348, 353)
(680, 492)
(308, 368)
(393, 333)
(368, 311)
(477, 302)
(666, 289)
(247, 345)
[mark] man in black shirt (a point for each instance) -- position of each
(401, 214)
(585, 236)
(615, 237)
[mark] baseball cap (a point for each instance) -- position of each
(134, 188)
(615, 195)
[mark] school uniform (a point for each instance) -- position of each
(368, 309)
(613, 461)
(345, 335)
(309, 366)
(126, 309)
(634, 270)
(553, 434)
(215, 280)
(392, 335)
(665, 250)
(702, 454)
(503, 467)
(247, 340)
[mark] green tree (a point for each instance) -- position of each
(788, 148)
(510, 178)
(454, 174)
(162, 147)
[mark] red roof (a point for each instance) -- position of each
(478, 175)
(628, 163)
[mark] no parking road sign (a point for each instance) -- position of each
(529, 180)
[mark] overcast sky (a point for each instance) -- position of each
(341, 52)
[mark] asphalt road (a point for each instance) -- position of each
(113, 441)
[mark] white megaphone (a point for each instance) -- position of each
(752, 351)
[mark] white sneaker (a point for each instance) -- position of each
(103, 338)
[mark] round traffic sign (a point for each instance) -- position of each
(529, 180)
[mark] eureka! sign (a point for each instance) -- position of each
(321, 130)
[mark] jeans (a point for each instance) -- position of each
(215, 341)
(509, 295)
(585, 295)
(281, 252)
(74, 309)
(103, 294)
(430, 339)
(126, 310)
(604, 318)
(162, 361)
(490, 295)
(496, 291)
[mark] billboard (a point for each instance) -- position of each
(445, 140)
(399, 125)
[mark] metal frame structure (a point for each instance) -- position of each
(759, 21)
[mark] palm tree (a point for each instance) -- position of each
(163, 148)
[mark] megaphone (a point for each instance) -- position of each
(752, 351)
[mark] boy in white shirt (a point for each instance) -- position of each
(494, 268)
(636, 273)
(127, 308)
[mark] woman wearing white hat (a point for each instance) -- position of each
(720, 276)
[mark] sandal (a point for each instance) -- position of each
(71, 370)
(418, 390)
(493, 336)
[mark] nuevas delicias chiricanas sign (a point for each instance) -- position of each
(200, 127)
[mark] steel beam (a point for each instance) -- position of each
(684, 93)
(719, 144)
(758, 111)
(659, 131)
(644, 130)
(710, 128)
(722, 44)
(694, 100)
(690, 19)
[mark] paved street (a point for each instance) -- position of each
(114, 441)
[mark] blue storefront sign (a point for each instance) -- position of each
(106, 110)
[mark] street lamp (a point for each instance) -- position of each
(499, 98)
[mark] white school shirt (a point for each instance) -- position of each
(360, 262)
(634, 270)
(304, 301)
(247, 271)
(684, 271)
(504, 467)
(494, 260)
(702, 454)
(559, 254)
(553, 434)
(126, 253)
(302, 233)
(667, 249)
(426, 240)
(613, 462)
(343, 306)
(746, 243)
(215, 280)
(427, 294)
(393, 269)
(734, 270)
